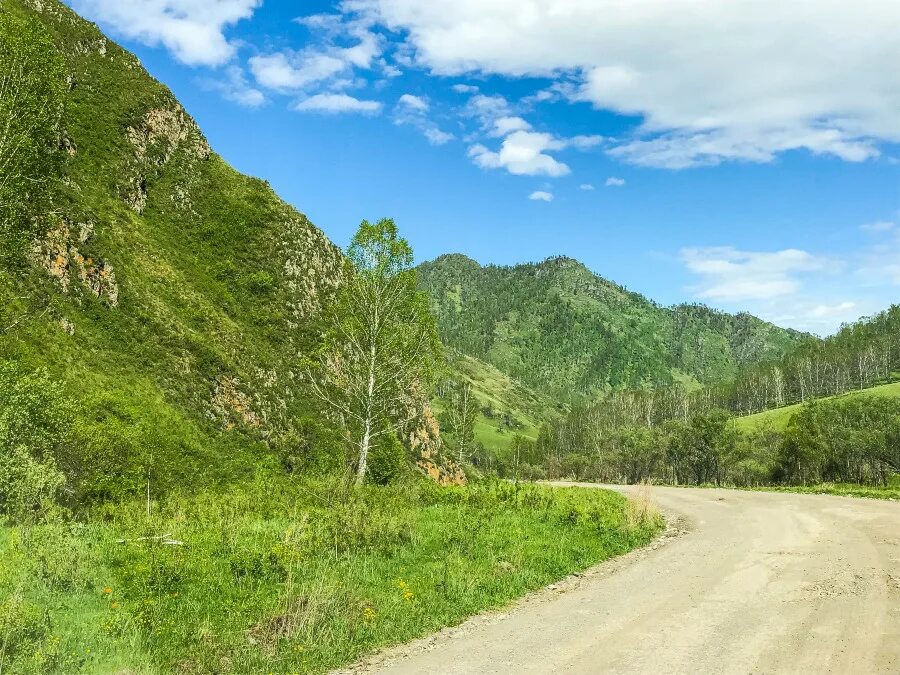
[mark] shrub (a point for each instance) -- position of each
(28, 487)
(35, 425)
(387, 460)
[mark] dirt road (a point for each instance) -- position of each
(761, 583)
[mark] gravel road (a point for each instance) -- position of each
(759, 583)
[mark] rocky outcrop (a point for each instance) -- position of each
(156, 139)
(231, 405)
(314, 268)
(58, 254)
(423, 436)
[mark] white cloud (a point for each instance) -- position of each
(728, 274)
(829, 311)
(585, 142)
(713, 81)
(413, 111)
(586, 186)
(541, 196)
(487, 109)
(878, 226)
(437, 136)
(288, 71)
(338, 47)
(614, 181)
(465, 88)
(193, 30)
(337, 103)
(506, 125)
(522, 153)
(413, 103)
(235, 88)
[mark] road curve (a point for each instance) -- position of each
(761, 583)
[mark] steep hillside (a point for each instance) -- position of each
(173, 296)
(569, 333)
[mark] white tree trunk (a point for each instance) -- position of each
(367, 426)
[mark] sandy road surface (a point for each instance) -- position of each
(762, 583)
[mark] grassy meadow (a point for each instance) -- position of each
(287, 576)
(778, 418)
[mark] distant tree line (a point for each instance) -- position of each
(675, 435)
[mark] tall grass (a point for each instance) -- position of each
(288, 576)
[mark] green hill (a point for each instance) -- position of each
(506, 407)
(564, 331)
(171, 295)
(778, 418)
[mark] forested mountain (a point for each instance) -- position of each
(567, 332)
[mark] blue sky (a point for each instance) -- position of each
(744, 155)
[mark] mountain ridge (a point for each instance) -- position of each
(589, 325)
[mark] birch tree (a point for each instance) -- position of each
(381, 342)
(462, 412)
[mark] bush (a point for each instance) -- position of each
(35, 426)
(28, 488)
(387, 460)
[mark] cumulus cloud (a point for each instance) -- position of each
(614, 181)
(713, 81)
(413, 103)
(413, 110)
(234, 87)
(487, 109)
(586, 186)
(728, 274)
(192, 30)
(465, 88)
(523, 153)
(506, 125)
(337, 103)
(541, 196)
(287, 71)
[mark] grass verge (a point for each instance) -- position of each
(891, 491)
(289, 576)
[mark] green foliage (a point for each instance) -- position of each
(379, 252)
(381, 351)
(31, 90)
(388, 461)
(29, 488)
(35, 435)
(190, 367)
(287, 575)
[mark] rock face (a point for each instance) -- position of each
(58, 254)
(155, 140)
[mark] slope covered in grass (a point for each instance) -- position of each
(506, 407)
(172, 296)
(778, 418)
